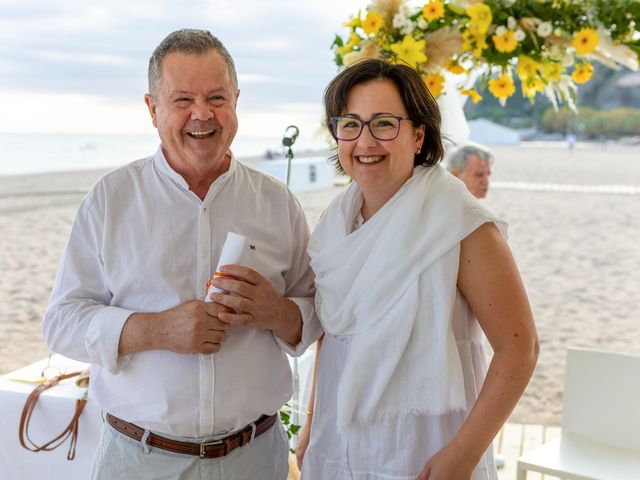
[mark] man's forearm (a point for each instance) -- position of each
(141, 332)
(289, 328)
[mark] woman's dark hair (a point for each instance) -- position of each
(421, 107)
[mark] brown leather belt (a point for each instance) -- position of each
(216, 449)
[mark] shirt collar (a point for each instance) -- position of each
(163, 166)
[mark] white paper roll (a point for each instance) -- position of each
(232, 251)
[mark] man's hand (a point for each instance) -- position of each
(193, 327)
(256, 303)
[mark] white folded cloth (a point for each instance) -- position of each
(391, 286)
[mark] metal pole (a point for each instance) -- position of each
(295, 417)
(289, 157)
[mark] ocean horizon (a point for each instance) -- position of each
(31, 153)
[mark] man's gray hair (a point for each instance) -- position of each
(458, 157)
(190, 41)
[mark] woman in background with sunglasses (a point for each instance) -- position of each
(410, 272)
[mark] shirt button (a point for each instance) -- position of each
(207, 405)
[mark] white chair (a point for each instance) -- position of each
(600, 437)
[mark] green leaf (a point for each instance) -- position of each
(285, 418)
(337, 42)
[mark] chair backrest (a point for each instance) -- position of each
(602, 397)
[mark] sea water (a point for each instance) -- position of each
(24, 153)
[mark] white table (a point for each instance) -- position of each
(52, 414)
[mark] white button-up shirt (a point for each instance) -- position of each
(143, 242)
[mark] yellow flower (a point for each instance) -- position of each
(481, 17)
(582, 73)
(527, 67)
(475, 43)
(468, 40)
(433, 10)
(506, 42)
(455, 68)
(502, 87)
(354, 39)
(354, 22)
(372, 23)
(551, 70)
(480, 46)
(410, 51)
(435, 83)
(585, 41)
(532, 86)
(475, 96)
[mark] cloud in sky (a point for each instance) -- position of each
(78, 66)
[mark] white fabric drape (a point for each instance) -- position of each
(391, 286)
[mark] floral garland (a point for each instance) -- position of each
(549, 44)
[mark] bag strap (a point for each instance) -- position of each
(70, 430)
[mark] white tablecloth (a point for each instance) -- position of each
(52, 414)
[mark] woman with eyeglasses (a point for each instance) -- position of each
(411, 274)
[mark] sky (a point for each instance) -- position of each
(70, 66)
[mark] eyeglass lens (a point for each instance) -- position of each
(381, 127)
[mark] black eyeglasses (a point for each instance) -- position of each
(382, 127)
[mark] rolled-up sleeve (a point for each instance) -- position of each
(299, 280)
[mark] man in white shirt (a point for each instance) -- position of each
(189, 389)
(471, 163)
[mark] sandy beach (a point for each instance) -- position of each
(574, 228)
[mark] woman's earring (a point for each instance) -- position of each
(418, 151)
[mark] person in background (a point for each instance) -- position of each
(411, 273)
(471, 163)
(189, 389)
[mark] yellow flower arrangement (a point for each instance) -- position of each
(582, 73)
(455, 68)
(531, 86)
(435, 83)
(480, 17)
(434, 10)
(475, 96)
(410, 50)
(506, 42)
(372, 23)
(502, 87)
(585, 41)
(527, 67)
(354, 41)
(551, 71)
(492, 40)
(474, 43)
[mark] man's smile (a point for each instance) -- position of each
(201, 133)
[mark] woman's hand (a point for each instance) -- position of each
(447, 464)
(303, 441)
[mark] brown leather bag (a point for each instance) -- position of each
(70, 430)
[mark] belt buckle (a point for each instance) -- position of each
(203, 448)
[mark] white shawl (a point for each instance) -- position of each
(391, 286)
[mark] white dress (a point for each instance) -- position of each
(396, 449)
